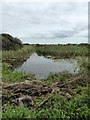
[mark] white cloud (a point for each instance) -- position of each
(45, 20)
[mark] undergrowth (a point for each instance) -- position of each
(57, 107)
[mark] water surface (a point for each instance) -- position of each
(42, 67)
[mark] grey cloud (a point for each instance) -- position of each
(64, 34)
(54, 35)
(45, 20)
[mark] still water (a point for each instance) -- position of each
(42, 67)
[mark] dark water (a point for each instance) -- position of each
(42, 67)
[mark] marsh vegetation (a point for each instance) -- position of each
(62, 95)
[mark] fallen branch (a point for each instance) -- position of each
(46, 100)
(53, 91)
(69, 81)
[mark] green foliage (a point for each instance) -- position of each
(18, 112)
(9, 76)
(9, 42)
(57, 107)
(83, 63)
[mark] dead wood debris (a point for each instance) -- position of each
(25, 93)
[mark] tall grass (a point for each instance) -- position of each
(62, 51)
(21, 53)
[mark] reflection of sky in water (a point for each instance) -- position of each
(42, 66)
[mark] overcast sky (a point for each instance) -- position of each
(61, 22)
